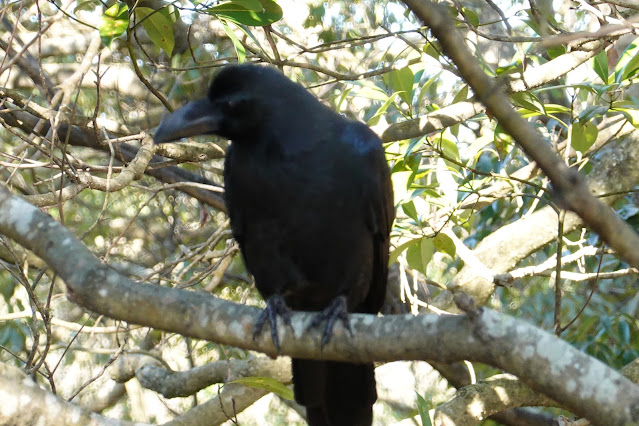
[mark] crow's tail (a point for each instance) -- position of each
(335, 393)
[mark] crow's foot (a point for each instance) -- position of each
(333, 312)
(275, 306)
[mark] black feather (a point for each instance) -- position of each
(309, 196)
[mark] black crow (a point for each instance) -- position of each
(309, 196)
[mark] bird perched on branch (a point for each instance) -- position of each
(309, 196)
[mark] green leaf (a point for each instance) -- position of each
(266, 383)
(556, 109)
(425, 87)
(476, 148)
(529, 101)
(422, 409)
(159, 26)
(380, 111)
(628, 62)
(254, 13)
(591, 112)
(114, 23)
(401, 81)
(555, 51)
(238, 5)
(623, 330)
(400, 180)
(509, 68)
(583, 135)
(471, 16)
(315, 16)
(88, 5)
(392, 258)
(443, 243)
(600, 65)
(367, 90)
(583, 86)
(419, 254)
(454, 129)
(448, 148)
(462, 95)
(431, 51)
(503, 141)
(410, 210)
(632, 115)
(414, 257)
(239, 47)
(414, 143)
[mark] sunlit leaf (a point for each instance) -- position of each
(462, 95)
(248, 12)
(443, 243)
(631, 114)
(471, 16)
(392, 258)
(583, 86)
(367, 90)
(410, 210)
(418, 255)
(628, 62)
(503, 141)
(266, 383)
(381, 111)
(400, 181)
(529, 101)
(427, 250)
(401, 81)
(583, 135)
(600, 65)
(88, 5)
(509, 68)
(555, 51)
(427, 84)
(556, 109)
(449, 148)
(414, 144)
(239, 47)
(477, 146)
(422, 409)
(158, 24)
(114, 22)
(591, 112)
(431, 51)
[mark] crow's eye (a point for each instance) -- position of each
(237, 105)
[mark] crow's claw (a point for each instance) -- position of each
(275, 306)
(335, 311)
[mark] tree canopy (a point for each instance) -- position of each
(509, 127)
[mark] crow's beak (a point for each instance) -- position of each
(195, 118)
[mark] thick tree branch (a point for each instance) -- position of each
(542, 361)
(432, 122)
(572, 192)
(614, 170)
(477, 402)
(153, 375)
(25, 403)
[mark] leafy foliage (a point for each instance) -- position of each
(459, 179)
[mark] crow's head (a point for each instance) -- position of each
(242, 100)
